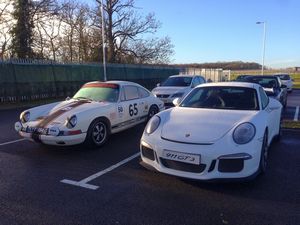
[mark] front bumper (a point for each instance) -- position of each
(218, 161)
(55, 140)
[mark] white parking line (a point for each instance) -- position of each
(296, 114)
(84, 183)
(11, 142)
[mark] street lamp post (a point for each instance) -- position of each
(103, 42)
(264, 46)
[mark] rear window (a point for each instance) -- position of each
(266, 82)
(232, 98)
(177, 82)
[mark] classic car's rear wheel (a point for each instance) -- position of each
(98, 133)
(152, 111)
(264, 154)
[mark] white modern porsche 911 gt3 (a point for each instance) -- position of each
(97, 110)
(219, 130)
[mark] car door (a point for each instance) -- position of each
(131, 105)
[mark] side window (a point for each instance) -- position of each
(143, 93)
(122, 95)
(131, 92)
(201, 80)
(264, 98)
(195, 82)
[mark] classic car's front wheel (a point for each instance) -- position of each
(98, 133)
(152, 111)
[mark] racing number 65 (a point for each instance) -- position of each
(133, 109)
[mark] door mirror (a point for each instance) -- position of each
(68, 98)
(158, 85)
(283, 86)
(176, 101)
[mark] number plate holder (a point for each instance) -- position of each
(182, 157)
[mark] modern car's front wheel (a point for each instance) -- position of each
(98, 133)
(264, 154)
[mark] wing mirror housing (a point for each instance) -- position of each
(176, 101)
(283, 86)
(158, 85)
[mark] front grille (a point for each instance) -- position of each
(182, 166)
(162, 96)
(148, 153)
(231, 165)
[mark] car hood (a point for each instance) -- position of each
(58, 114)
(168, 90)
(200, 126)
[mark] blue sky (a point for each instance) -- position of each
(226, 30)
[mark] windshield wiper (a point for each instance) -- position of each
(85, 98)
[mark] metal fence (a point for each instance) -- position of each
(27, 80)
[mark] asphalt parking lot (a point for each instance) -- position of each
(122, 192)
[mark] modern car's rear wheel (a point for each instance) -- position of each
(98, 133)
(264, 154)
(152, 111)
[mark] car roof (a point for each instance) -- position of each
(231, 84)
(119, 82)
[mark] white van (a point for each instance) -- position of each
(176, 86)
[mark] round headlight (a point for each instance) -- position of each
(244, 133)
(71, 122)
(152, 125)
(25, 116)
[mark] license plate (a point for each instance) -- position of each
(182, 157)
(38, 130)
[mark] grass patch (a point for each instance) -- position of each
(290, 124)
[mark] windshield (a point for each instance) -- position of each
(234, 98)
(266, 82)
(283, 77)
(99, 92)
(177, 82)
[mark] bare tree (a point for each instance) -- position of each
(6, 25)
(126, 29)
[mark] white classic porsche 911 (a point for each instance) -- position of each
(97, 110)
(219, 130)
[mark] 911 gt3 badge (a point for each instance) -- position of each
(187, 135)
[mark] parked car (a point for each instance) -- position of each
(241, 77)
(176, 86)
(272, 86)
(286, 80)
(219, 130)
(97, 110)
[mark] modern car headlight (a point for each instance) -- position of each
(178, 95)
(152, 125)
(244, 133)
(71, 122)
(25, 116)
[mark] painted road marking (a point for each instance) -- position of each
(296, 114)
(11, 142)
(84, 183)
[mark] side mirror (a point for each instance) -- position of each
(176, 101)
(68, 98)
(158, 85)
(283, 86)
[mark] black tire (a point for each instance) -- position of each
(264, 154)
(152, 111)
(97, 133)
